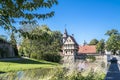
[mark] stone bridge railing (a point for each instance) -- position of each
(113, 72)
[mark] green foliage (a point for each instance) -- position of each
(101, 46)
(93, 42)
(35, 56)
(91, 58)
(24, 64)
(112, 43)
(43, 44)
(51, 74)
(23, 10)
(59, 75)
(52, 57)
(113, 31)
(91, 76)
(77, 76)
(62, 75)
(31, 74)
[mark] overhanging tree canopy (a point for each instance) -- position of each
(23, 11)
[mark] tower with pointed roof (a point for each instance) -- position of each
(65, 35)
(85, 43)
(70, 48)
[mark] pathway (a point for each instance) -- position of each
(113, 71)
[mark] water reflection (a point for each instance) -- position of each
(33, 74)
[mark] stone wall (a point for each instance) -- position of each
(82, 65)
(99, 64)
(6, 50)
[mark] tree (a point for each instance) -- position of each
(14, 43)
(23, 11)
(45, 44)
(101, 46)
(93, 42)
(112, 43)
(113, 31)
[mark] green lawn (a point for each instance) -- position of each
(23, 64)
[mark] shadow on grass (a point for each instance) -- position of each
(1, 72)
(26, 61)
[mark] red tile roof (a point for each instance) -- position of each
(87, 49)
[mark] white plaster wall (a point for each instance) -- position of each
(69, 41)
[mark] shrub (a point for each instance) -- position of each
(33, 55)
(52, 57)
(92, 58)
(76, 76)
(62, 75)
(59, 75)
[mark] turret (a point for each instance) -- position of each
(85, 43)
(65, 35)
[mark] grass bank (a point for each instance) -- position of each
(24, 64)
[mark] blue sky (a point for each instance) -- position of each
(86, 19)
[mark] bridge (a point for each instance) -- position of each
(113, 72)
